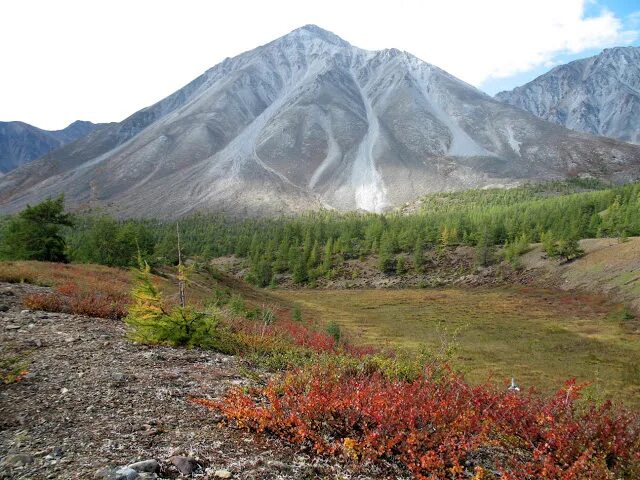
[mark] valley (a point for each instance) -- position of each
(540, 337)
(321, 261)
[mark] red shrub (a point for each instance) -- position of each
(299, 334)
(434, 425)
(93, 299)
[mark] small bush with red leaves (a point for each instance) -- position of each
(91, 290)
(92, 300)
(438, 425)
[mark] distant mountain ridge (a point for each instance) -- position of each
(309, 121)
(20, 143)
(598, 95)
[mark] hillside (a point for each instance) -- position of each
(125, 402)
(21, 143)
(93, 401)
(310, 122)
(599, 95)
(609, 267)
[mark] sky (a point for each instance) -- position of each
(101, 61)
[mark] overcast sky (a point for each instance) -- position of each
(98, 60)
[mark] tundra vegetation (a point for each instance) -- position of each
(328, 393)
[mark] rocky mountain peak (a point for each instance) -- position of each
(598, 95)
(309, 121)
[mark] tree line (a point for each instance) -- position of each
(314, 244)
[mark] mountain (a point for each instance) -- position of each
(308, 121)
(598, 95)
(21, 143)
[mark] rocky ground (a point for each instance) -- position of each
(94, 403)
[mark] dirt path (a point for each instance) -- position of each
(93, 399)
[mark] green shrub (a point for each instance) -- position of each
(626, 314)
(237, 305)
(219, 297)
(13, 367)
(568, 249)
(334, 330)
(514, 249)
(151, 321)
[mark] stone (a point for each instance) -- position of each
(121, 473)
(222, 473)
(277, 465)
(25, 312)
(185, 465)
(4, 308)
(12, 326)
(18, 460)
(7, 292)
(146, 466)
(127, 473)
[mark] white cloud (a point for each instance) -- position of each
(103, 60)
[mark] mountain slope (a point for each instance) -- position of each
(598, 95)
(21, 143)
(309, 121)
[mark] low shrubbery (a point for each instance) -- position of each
(92, 300)
(13, 365)
(566, 248)
(439, 426)
(151, 320)
(79, 289)
(228, 324)
(12, 368)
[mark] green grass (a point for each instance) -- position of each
(542, 338)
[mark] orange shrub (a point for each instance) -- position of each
(91, 290)
(91, 301)
(438, 425)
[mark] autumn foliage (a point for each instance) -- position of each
(89, 290)
(439, 426)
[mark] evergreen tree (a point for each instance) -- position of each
(418, 255)
(400, 266)
(327, 257)
(282, 257)
(548, 244)
(36, 232)
(150, 321)
(300, 273)
(484, 249)
(386, 260)
(314, 256)
(261, 273)
(568, 249)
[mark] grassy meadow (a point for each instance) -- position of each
(540, 337)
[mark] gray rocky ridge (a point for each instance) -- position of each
(598, 95)
(20, 143)
(309, 121)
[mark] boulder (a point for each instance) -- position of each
(150, 466)
(185, 465)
